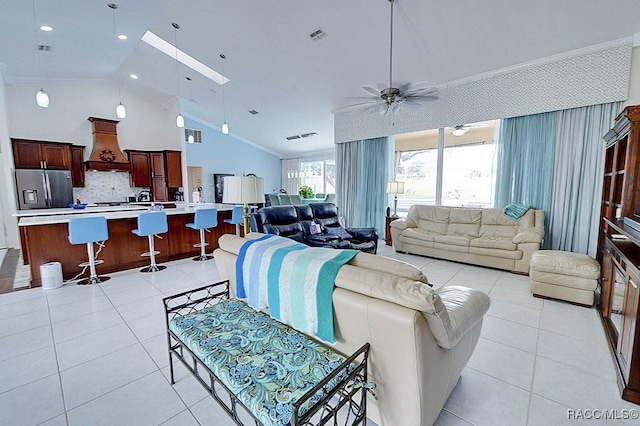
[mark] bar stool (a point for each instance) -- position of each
(150, 225)
(204, 219)
(88, 230)
(237, 218)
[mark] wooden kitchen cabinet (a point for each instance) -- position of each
(160, 171)
(140, 172)
(77, 166)
(33, 154)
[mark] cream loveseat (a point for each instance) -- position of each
(483, 237)
(420, 338)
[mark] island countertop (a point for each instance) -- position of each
(44, 238)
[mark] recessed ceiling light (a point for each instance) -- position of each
(170, 50)
(46, 28)
(133, 76)
(123, 37)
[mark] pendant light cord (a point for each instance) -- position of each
(176, 27)
(224, 106)
(35, 29)
(113, 7)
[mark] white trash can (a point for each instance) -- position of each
(51, 275)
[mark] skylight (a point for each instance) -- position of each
(170, 50)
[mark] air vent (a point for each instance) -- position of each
(254, 112)
(318, 34)
(196, 134)
(304, 135)
(44, 47)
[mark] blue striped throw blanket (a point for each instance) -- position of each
(294, 281)
(515, 211)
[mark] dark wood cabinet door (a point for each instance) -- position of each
(157, 165)
(173, 169)
(56, 156)
(159, 189)
(77, 165)
(27, 154)
(140, 173)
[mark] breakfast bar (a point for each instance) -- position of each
(44, 237)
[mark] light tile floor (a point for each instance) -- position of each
(83, 355)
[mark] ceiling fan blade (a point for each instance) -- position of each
(424, 91)
(381, 86)
(403, 87)
(371, 90)
(476, 125)
(363, 98)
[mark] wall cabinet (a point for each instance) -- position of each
(77, 165)
(619, 250)
(160, 171)
(32, 154)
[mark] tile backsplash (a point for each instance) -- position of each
(105, 187)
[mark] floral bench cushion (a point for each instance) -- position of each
(266, 364)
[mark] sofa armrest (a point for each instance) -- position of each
(403, 223)
(457, 310)
(531, 235)
(368, 234)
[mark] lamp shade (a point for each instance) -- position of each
(395, 187)
(243, 189)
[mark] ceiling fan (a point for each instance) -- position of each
(461, 129)
(391, 98)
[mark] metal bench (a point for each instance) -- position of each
(266, 369)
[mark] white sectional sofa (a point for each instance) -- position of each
(483, 237)
(420, 338)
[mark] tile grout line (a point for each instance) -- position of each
(55, 352)
(535, 363)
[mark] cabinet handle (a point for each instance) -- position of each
(635, 287)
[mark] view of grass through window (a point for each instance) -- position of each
(468, 169)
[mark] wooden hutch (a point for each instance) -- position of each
(619, 249)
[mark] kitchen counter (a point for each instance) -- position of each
(44, 238)
(52, 216)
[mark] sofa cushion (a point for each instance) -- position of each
(325, 214)
(419, 234)
(454, 240)
(498, 243)
(494, 252)
(465, 222)
(565, 263)
(431, 218)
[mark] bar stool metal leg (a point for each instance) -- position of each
(93, 275)
(203, 256)
(153, 267)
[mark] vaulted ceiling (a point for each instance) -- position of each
(274, 66)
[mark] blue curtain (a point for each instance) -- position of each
(347, 180)
(371, 201)
(526, 148)
(577, 184)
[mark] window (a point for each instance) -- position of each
(320, 175)
(468, 167)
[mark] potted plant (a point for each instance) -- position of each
(305, 191)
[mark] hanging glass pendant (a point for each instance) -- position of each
(225, 128)
(42, 99)
(180, 121)
(121, 111)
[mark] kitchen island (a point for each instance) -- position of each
(44, 237)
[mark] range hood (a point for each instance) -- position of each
(106, 154)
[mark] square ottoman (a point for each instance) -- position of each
(564, 275)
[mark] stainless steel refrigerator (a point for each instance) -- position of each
(44, 189)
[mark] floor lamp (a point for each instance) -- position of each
(243, 190)
(395, 188)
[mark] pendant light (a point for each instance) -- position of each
(42, 97)
(225, 126)
(121, 111)
(179, 118)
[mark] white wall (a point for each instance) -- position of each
(7, 198)
(147, 125)
(634, 84)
